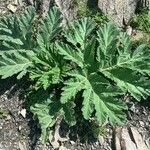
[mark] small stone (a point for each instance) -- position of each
(23, 112)
(1, 146)
(132, 108)
(117, 138)
(8, 117)
(138, 139)
(126, 140)
(129, 32)
(12, 8)
(19, 128)
(146, 123)
(16, 2)
(96, 143)
(72, 142)
(101, 140)
(141, 123)
(63, 148)
(92, 147)
(22, 145)
(55, 144)
(31, 2)
(144, 111)
(149, 118)
(140, 129)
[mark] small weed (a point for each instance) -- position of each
(141, 21)
(3, 113)
(85, 11)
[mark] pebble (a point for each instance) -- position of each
(132, 108)
(23, 113)
(147, 123)
(96, 143)
(16, 2)
(93, 147)
(141, 123)
(19, 128)
(12, 8)
(149, 118)
(140, 130)
(101, 140)
(8, 117)
(72, 142)
(1, 147)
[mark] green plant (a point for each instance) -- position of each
(141, 21)
(15, 46)
(82, 68)
(83, 10)
(3, 113)
(82, 7)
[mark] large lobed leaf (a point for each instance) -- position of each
(47, 64)
(105, 70)
(15, 30)
(47, 109)
(15, 49)
(16, 40)
(41, 111)
(80, 31)
(50, 28)
(70, 54)
(95, 97)
(15, 62)
(127, 66)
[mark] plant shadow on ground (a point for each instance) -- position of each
(34, 131)
(81, 132)
(6, 84)
(10, 87)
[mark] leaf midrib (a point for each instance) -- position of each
(117, 65)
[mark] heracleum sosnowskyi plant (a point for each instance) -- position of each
(84, 64)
